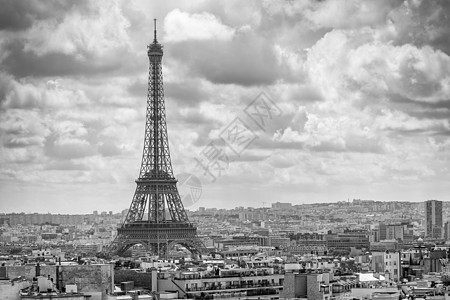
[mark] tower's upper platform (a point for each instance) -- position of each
(155, 48)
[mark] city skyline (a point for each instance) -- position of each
(339, 100)
(274, 205)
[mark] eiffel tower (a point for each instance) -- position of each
(156, 218)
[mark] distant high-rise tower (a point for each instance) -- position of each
(433, 219)
(447, 230)
(156, 218)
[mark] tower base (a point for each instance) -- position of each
(158, 238)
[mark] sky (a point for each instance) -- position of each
(266, 101)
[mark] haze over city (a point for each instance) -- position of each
(360, 95)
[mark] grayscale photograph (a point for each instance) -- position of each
(246, 150)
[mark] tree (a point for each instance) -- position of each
(340, 252)
(15, 250)
(104, 255)
(446, 279)
(127, 253)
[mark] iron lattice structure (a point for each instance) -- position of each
(156, 217)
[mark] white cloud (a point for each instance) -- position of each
(347, 14)
(421, 74)
(182, 26)
(99, 29)
(335, 134)
(347, 63)
(338, 14)
(22, 128)
(30, 93)
(397, 120)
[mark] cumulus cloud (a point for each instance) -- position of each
(37, 94)
(247, 60)
(187, 92)
(398, 121)
(181, 26)
(23, 128)
(83, 38)
(356, 62)
(101, 29)
(421, 74)
(21, 14)
(333, 14)
(332, 134)
(348, 14)
(422, 23)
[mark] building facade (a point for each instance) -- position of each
(387, 262)
(433, 219)
(224, 283)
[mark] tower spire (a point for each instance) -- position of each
(154, 30)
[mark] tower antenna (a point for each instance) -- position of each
(154, 40)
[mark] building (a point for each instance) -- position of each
(278, 241)
(313, 286)
(348, 239)
(381, 232)
(438, 260)
(223, 283)
(384, 245)
(394, 232)
(307, 249)
(413, 261)
(401, 230)
(14, 219)
(447, 231)
(239, 241)
(387, 262)
(433, 219)
(280, 205)
(315, 265)
(374, 235)
(93, 280)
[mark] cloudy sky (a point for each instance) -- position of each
(358, 91)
